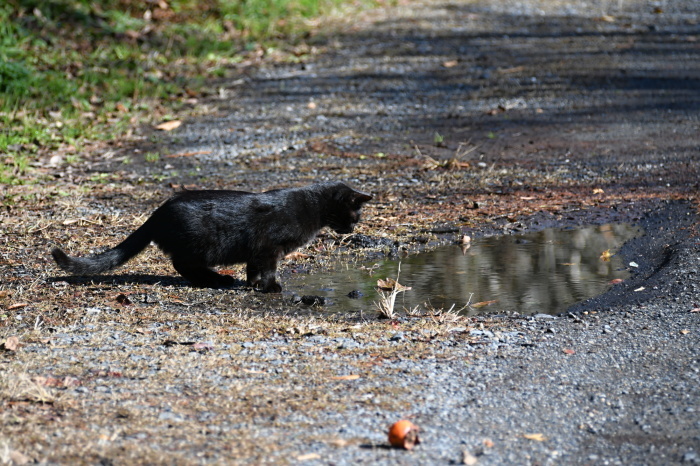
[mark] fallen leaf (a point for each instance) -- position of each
(390, 285)
(536, 437)
(615, 281)
(309, 457)
(123, 299)
(605, 255)
(346, 377)
(484, 303)
(339, 442)
(188, 154)
(10, 344)
(568, 351)
(450, 63)
(296, 255)
(56, 382)
(203, 346)
(17, 306)
(169, 125)
(515, 69)
(121, 108)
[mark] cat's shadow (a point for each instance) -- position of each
(134, 279)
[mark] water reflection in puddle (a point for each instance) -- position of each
(542, 272)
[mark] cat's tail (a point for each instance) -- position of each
(108, 260)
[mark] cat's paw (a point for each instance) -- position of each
(272, 287)
(225, 281)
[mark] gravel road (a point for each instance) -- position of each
(609, 88)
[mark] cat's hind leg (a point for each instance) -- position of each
(202, 276)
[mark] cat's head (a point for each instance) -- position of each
(343, 211)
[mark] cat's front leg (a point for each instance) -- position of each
(262, 274)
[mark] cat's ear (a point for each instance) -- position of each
(359, 198)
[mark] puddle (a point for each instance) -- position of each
(541, 272)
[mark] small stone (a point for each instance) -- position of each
(312, 300)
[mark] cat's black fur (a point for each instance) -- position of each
(203, 229)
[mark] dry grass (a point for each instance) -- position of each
(387, 298)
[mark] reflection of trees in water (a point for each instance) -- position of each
(538, 272)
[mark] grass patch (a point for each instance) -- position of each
(77, 70)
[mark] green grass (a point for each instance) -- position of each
(78, 70)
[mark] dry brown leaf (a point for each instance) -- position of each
(203, 346)
(484, 303)
(515, 69)
(123, 299)
(12, 307)
(10, 344)
(346, 377)
(296, 255)
(605, 255)
(390, 284)
(188, 154)
(169, 125)
(50, 381)
(339, 442)
(536, 437)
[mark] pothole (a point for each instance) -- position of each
(540, 272)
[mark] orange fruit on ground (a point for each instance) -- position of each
(403, 434)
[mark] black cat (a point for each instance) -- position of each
(202, 229)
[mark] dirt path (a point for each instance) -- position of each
(478, 116)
